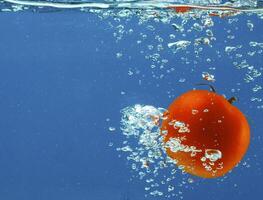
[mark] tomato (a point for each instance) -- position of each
(205, 133)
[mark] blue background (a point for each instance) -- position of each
(59, 82)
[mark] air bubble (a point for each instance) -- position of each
(194, 111)
(213, 154)
(111, 128)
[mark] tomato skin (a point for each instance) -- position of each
(214, 124)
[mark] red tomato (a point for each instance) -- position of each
(205, 133)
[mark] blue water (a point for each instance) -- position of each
(62, 87)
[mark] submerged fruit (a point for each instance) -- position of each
(205, 133)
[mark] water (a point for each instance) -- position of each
(84, 85)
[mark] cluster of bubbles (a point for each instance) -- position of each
(146, 154)
(200, 26)
(179, 45)
(210, 160)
